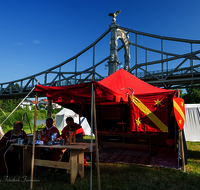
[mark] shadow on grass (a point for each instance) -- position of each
(193, 155)
(113, 176)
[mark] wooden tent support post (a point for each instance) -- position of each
(49, 109)
(91, 144)
(182, 151)
(34, 136)
(96, 141)
(79, 117)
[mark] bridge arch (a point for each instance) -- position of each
(124, 38)
(174, 76)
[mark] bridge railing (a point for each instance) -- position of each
(59, 76)
(158, 73)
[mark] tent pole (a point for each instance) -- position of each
(182, 151)
(96, 141)
(34, 135)
(91, 144)
(49, 109)
(79, 116)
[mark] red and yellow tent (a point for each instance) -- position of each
(149, 105)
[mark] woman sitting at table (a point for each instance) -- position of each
(9, 155)
(63, 155)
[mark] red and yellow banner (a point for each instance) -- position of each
(179, 111)
(150, 113)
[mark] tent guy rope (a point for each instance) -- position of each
(18, 106)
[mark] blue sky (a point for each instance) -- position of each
(38, 34)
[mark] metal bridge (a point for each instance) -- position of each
(161, 61)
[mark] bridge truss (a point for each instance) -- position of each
(158, 60)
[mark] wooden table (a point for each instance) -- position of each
(141, 136)
(72, 165)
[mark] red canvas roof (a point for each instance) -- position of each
(107, 90)
(80, 92)
(122, 79)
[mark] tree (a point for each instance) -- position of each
(192, 96)
(9, 104)
(14, 87)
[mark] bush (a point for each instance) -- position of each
(16, 116)
(55, 111)
(42, 114)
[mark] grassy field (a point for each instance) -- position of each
(193, 166)
(116, 176)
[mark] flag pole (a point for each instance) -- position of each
(181, 142)
(34, 135)
(182, 150)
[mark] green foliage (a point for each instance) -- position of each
(55, 111)
(41, 114)
(9, 105)
(192, 96)
(32, 107)
(42, 111)
(16, 116)
(181, 92)
(41, 106)
(14, 87)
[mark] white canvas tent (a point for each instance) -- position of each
(192, 122)
(64, 113)
(1, 132)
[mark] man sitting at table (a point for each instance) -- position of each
(47, 133)
(63, 155)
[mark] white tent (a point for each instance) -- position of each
(192, 122)
(64, 113)
(1, 132)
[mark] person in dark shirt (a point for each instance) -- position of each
(63, 155)
(72, 126)
(9, 155)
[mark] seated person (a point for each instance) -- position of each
(47, 132)
(71, 126)
(9, 155)
(50, 129)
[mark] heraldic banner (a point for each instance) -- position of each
(179, 111)
(149, 113)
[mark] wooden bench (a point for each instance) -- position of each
(144, 141)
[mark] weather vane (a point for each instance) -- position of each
(114, 15)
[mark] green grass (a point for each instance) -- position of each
(113, 176)
(117, 176)
(193, 166)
